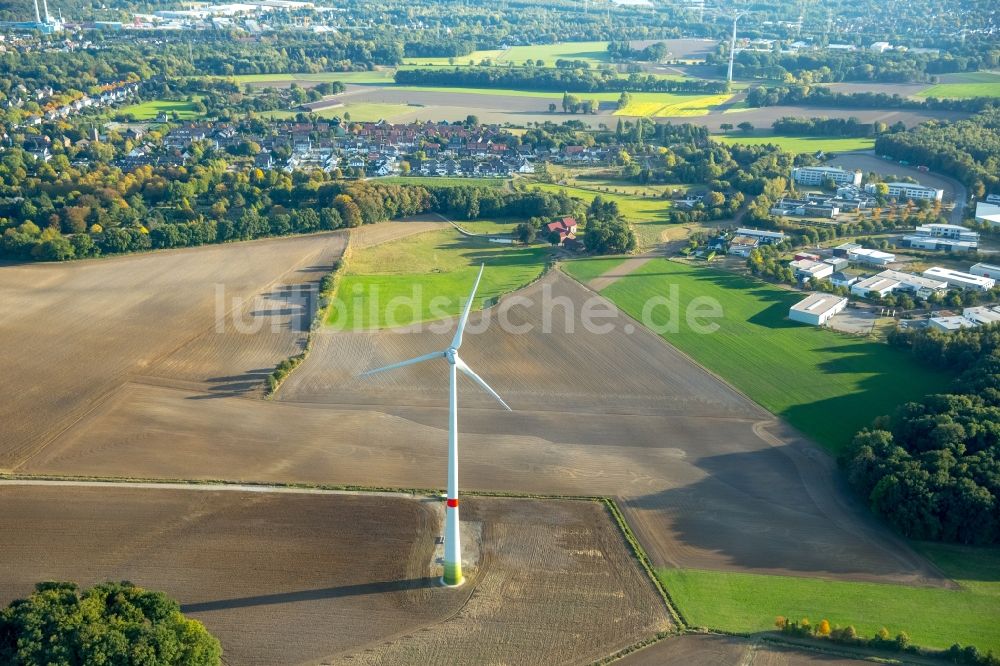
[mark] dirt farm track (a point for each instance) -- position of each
(119, 368)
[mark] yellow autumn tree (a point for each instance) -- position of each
(824, 628)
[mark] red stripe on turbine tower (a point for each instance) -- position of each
(452, 503)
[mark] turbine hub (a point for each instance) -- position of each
(450, 354)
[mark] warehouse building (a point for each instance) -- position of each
(986, 270)
(874, 285)
(912, 191)
(817, 309)
(961, 280)
(921, 286)
(863, 255)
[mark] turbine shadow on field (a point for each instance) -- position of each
(233, 385)
(782, 510)
(360, 589)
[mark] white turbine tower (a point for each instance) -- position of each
(452, 543)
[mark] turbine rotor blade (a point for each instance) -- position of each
(461, 365)
(403, 364)
(456, 342)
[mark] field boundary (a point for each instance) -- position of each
(277, 378)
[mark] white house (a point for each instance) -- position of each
(742, 246)
(817, 309)
(961, 280)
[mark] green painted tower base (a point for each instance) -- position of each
(452, 574)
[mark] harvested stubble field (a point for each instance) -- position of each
(75, 333)
(702, 478)
(297, 578)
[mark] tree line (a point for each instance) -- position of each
(931, 469)
(968, 150)
(821, 96)
(554, 80)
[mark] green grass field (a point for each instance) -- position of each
(150, 110)
(586, 270)
(591, 52)
(360, 112)
(747, 603)
(826, 384)
(443, 181)
(800, 144)
(428, 276)
(965, 85)
(649, 215)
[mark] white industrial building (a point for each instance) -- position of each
(950, 324)
(807, 269)
(908, 191)
(981, 315)
(817, 175)
(943, 237)
(988, 212)
(921, 286)
(844, 280)
(874, 285)
(986, 270)
(863, 255)
(817, 309)
(961, 280)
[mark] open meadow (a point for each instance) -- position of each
(184, 109)
(800, 144)
(803, 374)
(394, 284)
(593, 53)
(964, 85)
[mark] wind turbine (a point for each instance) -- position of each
(452, 543)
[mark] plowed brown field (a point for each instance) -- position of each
(74, 333)
(707, 478)
(287, 578)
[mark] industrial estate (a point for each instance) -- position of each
(706, 291)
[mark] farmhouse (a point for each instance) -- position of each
(741, 245)
(817, 309)
(943, 237)
(874, 285)
(986, 270)
(566, 228)
(818, 175)
(765, 237)
(908, 191)
(961, 280)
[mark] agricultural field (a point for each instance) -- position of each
(747, 603)
(359, 111)
(715, 649)
(798, 372)
(311, 585)
(800, 144)
(671, 105)
(159, 314)
(965, 85)
(184, 109)
(594, 53)
(411, 271)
